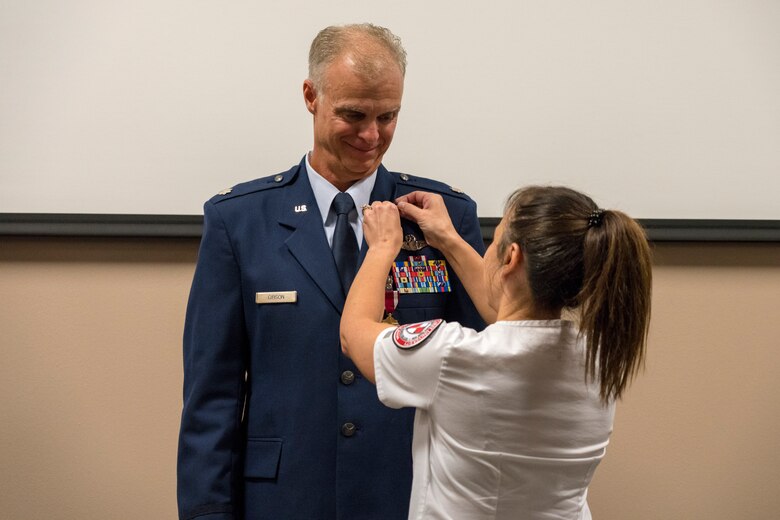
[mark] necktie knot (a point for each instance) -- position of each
(343, 203)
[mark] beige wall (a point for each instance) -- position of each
(90, 375)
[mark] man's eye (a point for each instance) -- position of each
(353, 116)
(387, 118)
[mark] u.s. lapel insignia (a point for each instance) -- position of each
(412, 244)
(300, 208)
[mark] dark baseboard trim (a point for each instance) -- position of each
(191, 226)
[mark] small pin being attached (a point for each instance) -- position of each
(300, 208)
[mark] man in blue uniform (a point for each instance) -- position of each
(277, 423)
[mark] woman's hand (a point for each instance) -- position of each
(382, 227)
(430, 213)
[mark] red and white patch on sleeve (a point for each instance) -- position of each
(414, 334)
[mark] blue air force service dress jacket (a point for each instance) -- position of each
(277, 423)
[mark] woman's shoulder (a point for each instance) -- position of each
(560, 328)
(522, 337)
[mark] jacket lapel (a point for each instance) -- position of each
(384, 189)
(307, 241)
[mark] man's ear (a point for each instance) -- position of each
(310, 96)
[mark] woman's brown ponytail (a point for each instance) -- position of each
(615, 300)
(594, 261)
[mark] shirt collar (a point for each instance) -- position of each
(324, 191)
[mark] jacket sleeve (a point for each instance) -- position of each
(210, 438)
(459, 307)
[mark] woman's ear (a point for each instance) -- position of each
(513, 259)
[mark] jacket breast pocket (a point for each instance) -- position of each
(420, 307)
(262, 458)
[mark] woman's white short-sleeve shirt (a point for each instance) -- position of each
(506, 425)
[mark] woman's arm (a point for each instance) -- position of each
(430, 213)
(361, 319)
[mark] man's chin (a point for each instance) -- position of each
(364, 168)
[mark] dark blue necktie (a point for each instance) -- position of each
(345, 246)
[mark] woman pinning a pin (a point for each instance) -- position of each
(511, 421)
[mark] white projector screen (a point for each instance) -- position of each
(665, 109)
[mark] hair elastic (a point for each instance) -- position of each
(594, 219)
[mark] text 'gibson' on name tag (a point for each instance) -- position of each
(276, 297)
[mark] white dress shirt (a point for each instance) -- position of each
(325, 192)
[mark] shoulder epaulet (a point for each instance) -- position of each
(261, 184)
(431, 185)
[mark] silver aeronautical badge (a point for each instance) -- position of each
(412, 244)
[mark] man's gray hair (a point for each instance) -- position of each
(361, 41)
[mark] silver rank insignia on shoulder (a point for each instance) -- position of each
(225, 191)
(456, 190)
(412, 244)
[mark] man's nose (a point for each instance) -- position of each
(369, 132)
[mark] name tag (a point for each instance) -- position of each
(276, 297)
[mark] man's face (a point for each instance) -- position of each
(354, 120)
